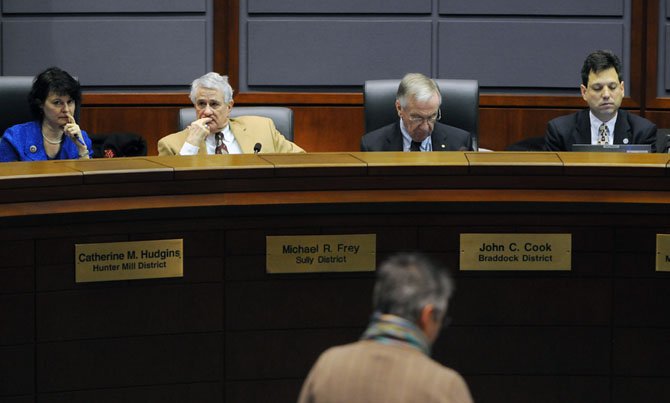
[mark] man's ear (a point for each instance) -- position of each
(427, 317)
(398, 108)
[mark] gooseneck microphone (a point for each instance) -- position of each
(257, 148)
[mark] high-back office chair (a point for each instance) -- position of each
(282, 117)
(527, 144)
(663, 141)
(14, 107)
(460, 104)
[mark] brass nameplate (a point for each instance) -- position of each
(320, 253)
(516, 252)
(128, 260)
(662, 252)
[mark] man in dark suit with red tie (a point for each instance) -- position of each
(603, 123)
(418, 104)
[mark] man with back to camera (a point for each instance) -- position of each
(603, 123)
(391, 363)
(418, 104)
(214, 133)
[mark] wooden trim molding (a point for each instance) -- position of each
(653, 101)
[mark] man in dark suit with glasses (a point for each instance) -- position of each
(418, 104)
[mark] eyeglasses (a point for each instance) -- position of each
(214, 105)
(419, 120)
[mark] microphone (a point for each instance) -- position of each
(257, 148)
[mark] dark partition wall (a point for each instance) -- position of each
(515, 45)
(119, 44)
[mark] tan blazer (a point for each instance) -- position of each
(371, 372)
(248, 130)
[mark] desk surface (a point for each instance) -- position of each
(150, 182)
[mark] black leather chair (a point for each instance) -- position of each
(460, 104)
(663, 141)
(282, 117)
(528, 144)
(14, 107)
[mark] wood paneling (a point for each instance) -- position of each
(661, 118)
(149, 121)
(329, 129)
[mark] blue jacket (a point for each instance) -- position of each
(23, 142)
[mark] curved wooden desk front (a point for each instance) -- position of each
(229, 331)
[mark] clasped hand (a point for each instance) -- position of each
(197, 131)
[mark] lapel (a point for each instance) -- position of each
(34, 139)
(582, 134)
(439, 139)
(622, 130)
(394, 141)
(239, 130)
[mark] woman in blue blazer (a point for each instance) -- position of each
(54, 134)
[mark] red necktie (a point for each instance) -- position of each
(220, 146)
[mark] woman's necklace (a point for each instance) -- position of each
(48, 140)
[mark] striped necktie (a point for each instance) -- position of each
(415, 146)
(220, 146)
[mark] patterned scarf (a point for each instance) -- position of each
(391, 329)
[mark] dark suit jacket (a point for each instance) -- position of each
(444, 138)
(564, 131)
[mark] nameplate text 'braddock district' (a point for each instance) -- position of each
(128, 260)
(321, 253)
(516, 252)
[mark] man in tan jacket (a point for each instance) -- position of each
(214, 133)
(391, 363)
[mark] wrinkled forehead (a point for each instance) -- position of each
(209, 94)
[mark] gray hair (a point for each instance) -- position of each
(214, 81)
(418, 87)
(407, 282)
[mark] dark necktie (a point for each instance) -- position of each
(415, 146)
(220, 146)
(603, 134)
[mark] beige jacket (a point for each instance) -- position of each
(248, 130)
(370, 372)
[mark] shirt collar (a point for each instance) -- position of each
(426, 144)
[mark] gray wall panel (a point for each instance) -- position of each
(340, 6)
(533, 7)
(330, 52)
(662, 63)
(523, 54)
(88, 6)
(119, 52)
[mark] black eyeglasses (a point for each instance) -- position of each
(418, 120)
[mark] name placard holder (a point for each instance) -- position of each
(128, 260)
(321, 253)
(516, 252)
(663, 252)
